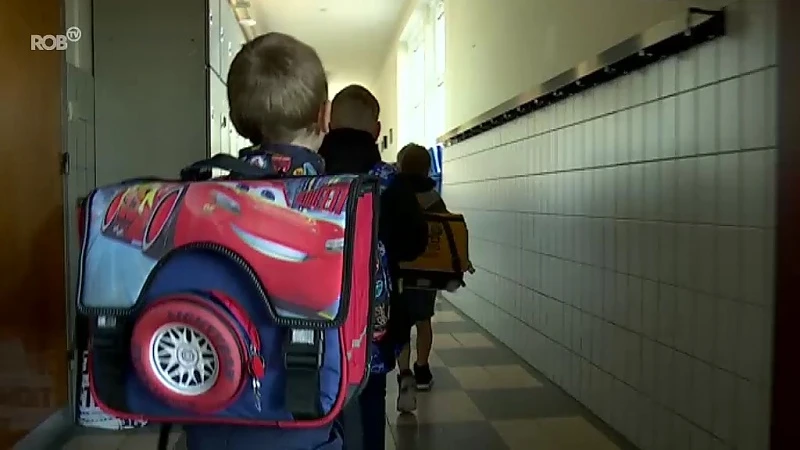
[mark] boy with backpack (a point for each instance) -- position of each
(414, 163)
(278, 97)
(350, 148)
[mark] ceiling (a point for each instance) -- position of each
(351, 36)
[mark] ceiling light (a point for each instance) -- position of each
(241, 4)
(248, 22)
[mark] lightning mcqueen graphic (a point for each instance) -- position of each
(299, 258)
(138, 216)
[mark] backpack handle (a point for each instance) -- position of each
(201, 170)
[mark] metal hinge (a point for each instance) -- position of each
(65, 163)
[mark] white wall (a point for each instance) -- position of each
(335, 85)
(386, 91)
(623, 238)
(386, 84)
(497, 49)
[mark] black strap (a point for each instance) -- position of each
(302, 356)
(163, 436)
(201, 170)
(455, 258)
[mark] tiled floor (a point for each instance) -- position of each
(484, 397)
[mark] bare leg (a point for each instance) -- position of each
(424, 341)
(407, 390)
(404, 359)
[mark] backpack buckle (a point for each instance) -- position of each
(302, 357)
(303, 349)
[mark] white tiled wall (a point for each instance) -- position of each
(623, 241)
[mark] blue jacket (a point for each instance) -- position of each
(290, 159)
(298, 161)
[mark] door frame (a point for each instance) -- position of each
(785, 432)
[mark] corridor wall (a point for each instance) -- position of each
(386, 84)
(495, 50)
(624, 238)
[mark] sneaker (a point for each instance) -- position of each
(407, 392)
(423, 377)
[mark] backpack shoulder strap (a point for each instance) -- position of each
(385, 174)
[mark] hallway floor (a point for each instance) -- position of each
(484, 397)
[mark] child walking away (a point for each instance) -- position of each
(278, 95)
(351, 147)
(247, 300)
(414, 163)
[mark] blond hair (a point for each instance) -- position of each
(276, 89)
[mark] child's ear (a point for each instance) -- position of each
(324, 119)
(377, 132)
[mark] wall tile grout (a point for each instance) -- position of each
(630, 231)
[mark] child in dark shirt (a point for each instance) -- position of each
(351, 147)
(414, 163)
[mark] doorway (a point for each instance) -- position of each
(33, 338)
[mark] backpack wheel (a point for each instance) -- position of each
(189, 354)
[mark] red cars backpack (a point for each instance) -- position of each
(246, 300)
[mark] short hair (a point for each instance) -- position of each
(414, 158)
(400, 154)
(276, 89)
(354, 107)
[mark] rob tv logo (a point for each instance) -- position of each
(51, 42)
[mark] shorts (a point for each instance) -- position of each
(420, 304)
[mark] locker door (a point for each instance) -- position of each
(225, 133)
(231, 52)
(80, 179)
(240, 41)
(233, 145)
(214, 32)
(217, 127)
(216, 94)
(232, 30)
(224, 30)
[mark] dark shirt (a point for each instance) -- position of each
(401, 228)
(288, 159)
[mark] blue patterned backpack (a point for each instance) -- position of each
(385, 174)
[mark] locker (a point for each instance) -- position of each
(80, 175)
(233, 141)
(225, 129)
(214, 33)
(217, 108)
(218, 96)
(232, 33)
(240, 41)
(224, 31)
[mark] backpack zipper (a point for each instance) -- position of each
(360, 186)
